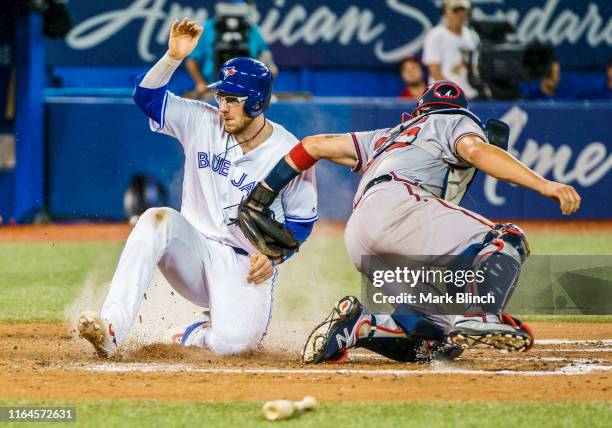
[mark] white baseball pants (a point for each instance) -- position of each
(206, 272)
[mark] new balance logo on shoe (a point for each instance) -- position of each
(343, 340)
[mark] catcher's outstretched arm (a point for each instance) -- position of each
(503, 166)
(337, 148)
(254, 216)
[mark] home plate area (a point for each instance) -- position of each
(47, 361)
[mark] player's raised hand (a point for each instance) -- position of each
(184, 36)
(566, 195)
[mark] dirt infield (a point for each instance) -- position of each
(81, 232)
(48, 361)
(571, 361)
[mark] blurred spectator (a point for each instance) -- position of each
(609, 77)
(202, 63)
(447, 46)
(411, 72)
(603, 90)
(547, 88)
(591, 86)
(606, 92)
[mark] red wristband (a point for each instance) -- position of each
(301, 158)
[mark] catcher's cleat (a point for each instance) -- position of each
(330, 340)
(489, 331)
(434, 350)
(97, 332)
(509, 319)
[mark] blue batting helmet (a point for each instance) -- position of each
(442, 94)
(246, 76)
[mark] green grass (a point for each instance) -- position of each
(38, 280)
(405, 414)
(571, 244)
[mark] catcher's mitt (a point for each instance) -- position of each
(257, 222)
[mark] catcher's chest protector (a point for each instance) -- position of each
(458, 179)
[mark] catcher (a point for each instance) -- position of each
(407, 204)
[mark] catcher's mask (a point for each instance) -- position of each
(440, 95)
(246, 77)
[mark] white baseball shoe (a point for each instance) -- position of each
(490, 331)
(97, 332)
(190, 335)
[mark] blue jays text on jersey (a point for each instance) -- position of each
(221, 166)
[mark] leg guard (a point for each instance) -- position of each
(504, 250)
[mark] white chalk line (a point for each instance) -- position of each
(575, 366)
(465, 357)
(569, 369)
(594, 342)
(574, 350)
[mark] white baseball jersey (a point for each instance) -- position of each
(218, 175)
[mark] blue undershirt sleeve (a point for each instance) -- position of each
(301, 231)
(150, 101)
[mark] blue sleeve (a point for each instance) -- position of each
(301, 230)
(150, 101)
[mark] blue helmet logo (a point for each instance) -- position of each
(228, 71)
(246, 76)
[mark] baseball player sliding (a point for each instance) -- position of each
(407, 204)
(200, 251)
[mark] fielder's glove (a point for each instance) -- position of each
(257, 222)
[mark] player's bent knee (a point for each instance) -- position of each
(225, 347)
(233, 343)
(157, 217)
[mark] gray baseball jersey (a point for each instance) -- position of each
(424, 152)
